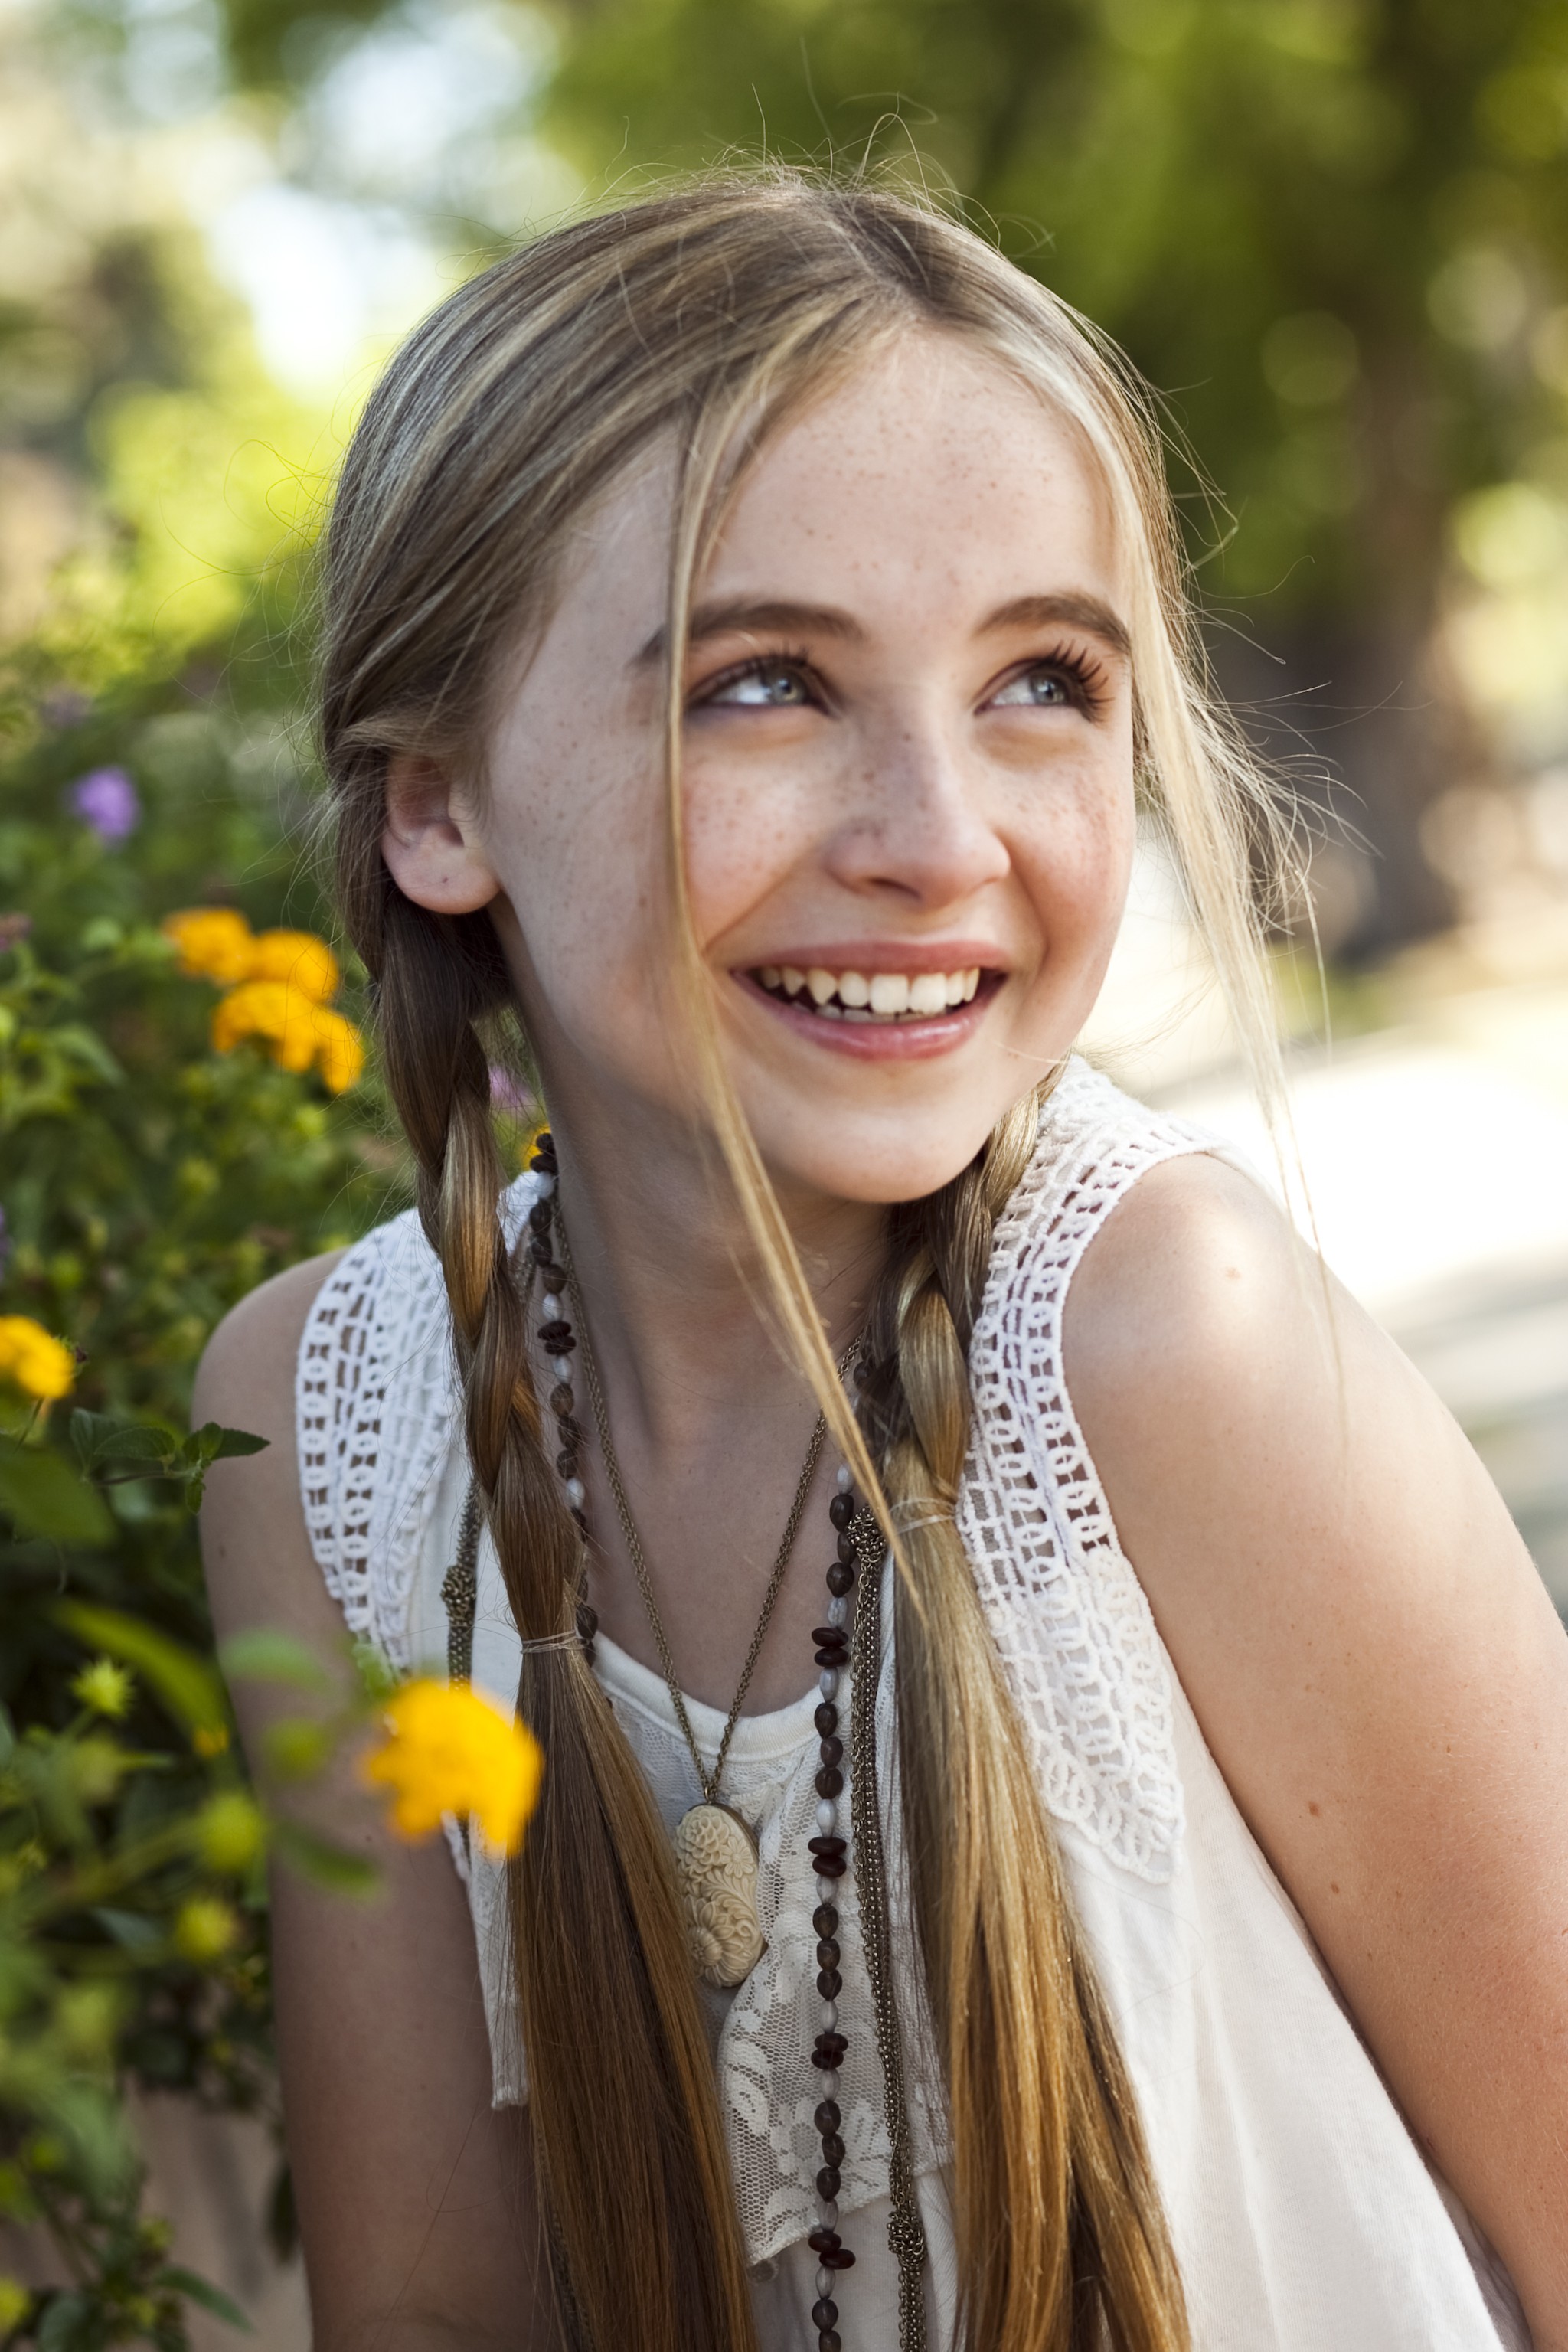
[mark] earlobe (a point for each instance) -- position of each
(430, 843)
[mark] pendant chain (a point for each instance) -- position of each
(709, 1781)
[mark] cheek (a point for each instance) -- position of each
(1075, 862)
(742, 835)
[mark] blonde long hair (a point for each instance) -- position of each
(699, 319)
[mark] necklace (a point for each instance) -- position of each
(715, 1850)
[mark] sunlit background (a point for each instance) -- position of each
(1334, 234)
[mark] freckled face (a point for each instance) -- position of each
(908, 781)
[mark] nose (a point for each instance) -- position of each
(916, 821)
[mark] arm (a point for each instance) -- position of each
(1373, 1658)
(416, 2199)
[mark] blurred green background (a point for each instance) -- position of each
(1334, 235)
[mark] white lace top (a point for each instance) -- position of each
(1304, 2214)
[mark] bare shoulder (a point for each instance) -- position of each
(254, 1548)
(1195, 1276)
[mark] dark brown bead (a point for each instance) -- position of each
(832, 1753)
(829, 1865)
(828, 1848)
(847, 1550)
(832, 2149)
(828, 2339)
(539, 1250)
(841, 1510)
(828, 2052)
(828, 2118)
(540, 1217)
(567, 1462)
(827, 2183)
(824, 2242)
(825, 1920)
(841, 2259)
(827, 1953)
(561, 1400)
(831, 1657)
(830, 1637)
(829, 1782)
(829, 1983)
(825, 2313)
(587, 1620)
(840, 1577)
(557, 1337)
(826, 1719)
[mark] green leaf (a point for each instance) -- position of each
(328, 1865)
(99, 1441)
(211, 1443)
(44, 1496)
(263, 1653)
(66, 2324)
(187, 1686)
(131, 1930)
(211, 2298)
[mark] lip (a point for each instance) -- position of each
(882, 1041)
(912, 956)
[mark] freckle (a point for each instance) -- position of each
(1334, 1888)
(1313, 1807)
(1233, 1274)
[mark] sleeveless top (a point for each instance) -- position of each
(1304, 2214)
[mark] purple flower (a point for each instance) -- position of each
(106, 800)
(509, 1096)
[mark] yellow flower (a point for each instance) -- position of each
(230, 1831)
(33, 1361)
(205, 1928)
(105, 1687)
(301, 959)
(214, 943)
(449, 1749)
(340, 1051)
(16, 2302)
(291, 1027)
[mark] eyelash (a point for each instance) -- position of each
(1073, 662)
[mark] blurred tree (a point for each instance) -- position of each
(1333, 232)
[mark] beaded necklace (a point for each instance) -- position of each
(858, 1554)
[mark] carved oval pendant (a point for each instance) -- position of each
(716, 1863)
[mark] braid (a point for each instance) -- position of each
(1060, 2242)
(621, 2092)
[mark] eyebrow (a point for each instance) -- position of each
(758, 617)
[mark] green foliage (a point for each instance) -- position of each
(146, 1184)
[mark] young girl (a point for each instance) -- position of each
(1052, 1833)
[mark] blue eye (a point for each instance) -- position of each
(769, 686)
(1036, 689)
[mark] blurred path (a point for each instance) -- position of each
(1435, 1157)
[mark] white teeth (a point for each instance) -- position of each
(882, 996)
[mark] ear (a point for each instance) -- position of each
(431, 842)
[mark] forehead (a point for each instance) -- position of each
(931, 471)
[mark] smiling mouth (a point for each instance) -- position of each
(884, 997)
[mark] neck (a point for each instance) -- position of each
(672, 1287)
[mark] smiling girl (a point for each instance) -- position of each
(1052, 1833)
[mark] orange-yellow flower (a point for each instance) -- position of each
(214, 943)
(281, 1017)
(449, 1749)
(33, 1360)
(301, 959)
(340, 1050)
